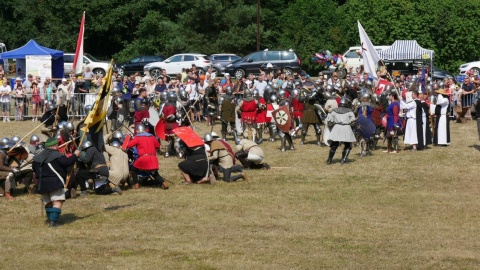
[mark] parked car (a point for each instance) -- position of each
(353, 61)
(254, 62)
(474, 66)
(136, 64)
(220, 60)
(174, 64)
(410, 67)
(96, 66)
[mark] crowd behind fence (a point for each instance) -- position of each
(22, 108)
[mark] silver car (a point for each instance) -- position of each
(174, 64)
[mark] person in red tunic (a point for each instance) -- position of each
(247, 109)
(298, 108)
(169, 114)
(141, 114)
(261, 115)
(147, 160)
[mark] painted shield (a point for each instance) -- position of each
(128, 137)
(365, 127)
(154, 118)
(160, 129)
(282, 118)
(188, 136)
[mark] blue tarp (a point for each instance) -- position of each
(33, 48)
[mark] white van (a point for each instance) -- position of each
(353, 60)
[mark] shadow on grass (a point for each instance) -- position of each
(116, 207)
(71, 217)
(475, 146)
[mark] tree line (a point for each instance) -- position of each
(123, 29)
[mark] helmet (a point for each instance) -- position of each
(141, 128)
(182, 94)
(115, 90)
(375, 97)
(163, 95)
(172, 97)
(276, 87)
(273, 98)
(344, 102)
(51, 107)
(268, 89)
(327, 95)
(207, 137)
(296, 92)
(4, 143)
(368, 84)
(145, 101)
(366, 96)
(34, 139)
(85, 145)
(289, 85)
(116, 144)
(436, 86)
(228, 90)
(68, 126)
(88, 108)
(247, 93)
(118, 100)
(15, 139)
(329, 88)
(281, 94)
(40, 147)
(441, 84)
(256, 94)
(118, 135)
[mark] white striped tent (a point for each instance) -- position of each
(405, 50)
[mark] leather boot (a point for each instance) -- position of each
(224, 135)
(345, 155)
(319, 143)
(282, 143)
(331, 153)
(302, 139)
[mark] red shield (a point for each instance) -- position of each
(283, 118)
(127, 139)
(160, 129)
(188, 136)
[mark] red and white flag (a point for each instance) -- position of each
(369, 54)
(78, 61)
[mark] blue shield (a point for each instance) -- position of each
(365, 127)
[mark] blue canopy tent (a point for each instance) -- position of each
(33, 48)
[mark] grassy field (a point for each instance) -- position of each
(412, 210)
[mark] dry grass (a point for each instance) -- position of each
(410, 210)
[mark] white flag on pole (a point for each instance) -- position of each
(78, 60)
(369, 54)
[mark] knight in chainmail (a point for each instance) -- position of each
(340, 121)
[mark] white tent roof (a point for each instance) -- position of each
(405, 50)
